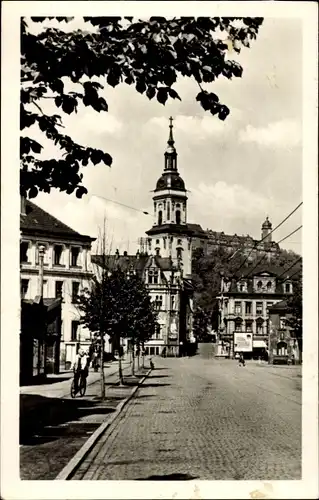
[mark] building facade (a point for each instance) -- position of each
(67, 269)
(249, 246)
(244, 305)
(283, 345)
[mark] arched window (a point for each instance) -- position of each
(179, 253)
(157, 250)
(269, 285)
(259, 285)
(168, 212)
(160, 217)
(178, 216)
(238, 325)
(287, 287)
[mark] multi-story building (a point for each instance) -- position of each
(67, 269)
(249, 246)
(165, 262)
(244, 304)
(283, 344)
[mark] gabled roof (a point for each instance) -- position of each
(38, 222)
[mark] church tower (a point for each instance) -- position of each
(266, 229)
(170, 235)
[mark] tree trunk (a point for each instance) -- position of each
(138, 358)
(133, 359)
(120, 365)
(102, 369)
(143, 356)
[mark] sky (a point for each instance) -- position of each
(237, 172)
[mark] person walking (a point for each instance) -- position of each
(241, 361)
(80, 368)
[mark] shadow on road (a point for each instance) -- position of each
(48, 381)
(155, 385)
(169, 477)
(37, 412)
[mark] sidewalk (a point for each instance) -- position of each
(53, 429)
(58, 386)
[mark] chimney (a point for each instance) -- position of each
(117, 254)
(23, 205)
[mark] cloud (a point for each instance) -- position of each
(283, 134)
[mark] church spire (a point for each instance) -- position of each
(170, 153)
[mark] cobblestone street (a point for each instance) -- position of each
(208, 419)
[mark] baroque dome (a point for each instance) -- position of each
(170, 180)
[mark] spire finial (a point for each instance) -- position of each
(170, 138)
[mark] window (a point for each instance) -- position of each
(241, 287)
(24, 246)
(269, 304)
(259, 285)
(282, 322)
(74, 330)
(168, 212)
(24, 288)
(150, 276)
(178, 216)
(179, 242)
(59, 289)
(45, 289)
(259, 308)
(155, 277)
(249, 326)
(74, 256)
(179, 253)
(238, 326)
(58, 255)
(237, 307)
(287, 287)
(158, 302)
(37, 253)
(157, 250)
(151, 351)
(158, 332)
(173, 303)
(75, 290)
(259, 325)
(248, 308)
(160, 217)
(164, 242)
(269, 285)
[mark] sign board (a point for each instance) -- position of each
(243, 342)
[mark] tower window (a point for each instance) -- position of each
(178, 216)
(179, 242)
(160, 217)
(157, 242)
(179, 253)
(168, 212)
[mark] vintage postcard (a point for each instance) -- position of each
(159, 250)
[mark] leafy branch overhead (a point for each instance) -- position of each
(151, 55)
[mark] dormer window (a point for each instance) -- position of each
(287, 287)
(269, 284)
(153, 276)
(259, 285)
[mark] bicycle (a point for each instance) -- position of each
(81, 387)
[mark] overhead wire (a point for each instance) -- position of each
(122, 204)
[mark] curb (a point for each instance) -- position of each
(75, 462)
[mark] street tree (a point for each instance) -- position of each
(147, 54)
(116, 305)
(295, 308)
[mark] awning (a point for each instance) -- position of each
(259, 344)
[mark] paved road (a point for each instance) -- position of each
(207, 419)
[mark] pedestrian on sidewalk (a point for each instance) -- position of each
(80, 368)
(241, 361)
